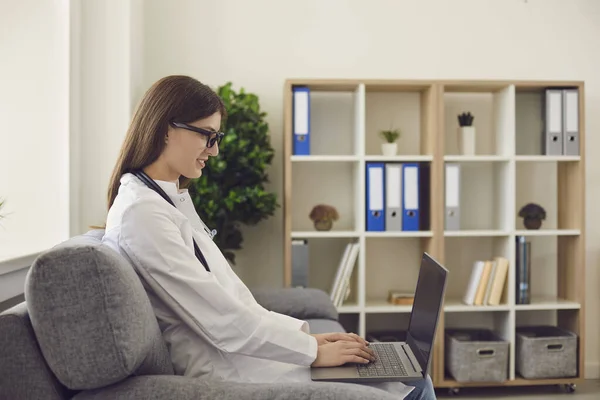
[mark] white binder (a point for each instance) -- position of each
(553, 123)
(570, 122)
(452, 186)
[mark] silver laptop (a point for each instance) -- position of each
(401, 361)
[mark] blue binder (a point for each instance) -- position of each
(375, 201)
(410, 197)
(301, 120)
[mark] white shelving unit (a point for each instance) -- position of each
(507, 172)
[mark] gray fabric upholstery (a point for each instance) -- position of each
(324, 326)
(301, 303)
(88, 322)
(92, 317)
(24, 373)
(180, 388)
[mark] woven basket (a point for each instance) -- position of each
(545, 352)
(476, 355)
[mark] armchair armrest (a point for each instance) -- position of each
(300, 303)
(167, 387)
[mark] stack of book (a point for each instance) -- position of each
(340, 290)
(487, 283)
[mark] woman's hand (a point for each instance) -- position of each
(324, 338)
(338, 353)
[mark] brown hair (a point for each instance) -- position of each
(175, 97)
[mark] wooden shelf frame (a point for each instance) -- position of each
(568, 306)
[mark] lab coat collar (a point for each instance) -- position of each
(170, 188)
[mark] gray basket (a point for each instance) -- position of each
(545, 352)
(476, 355)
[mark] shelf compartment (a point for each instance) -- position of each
(324, 257)
(461, 253)
(484, 202)
(529, 121)
(500, 323)
(556, 187)
(555, 277)
(407, 108)
(333, 119)
(569, 320)
(397, 260)
(337, 186)
(493, 111)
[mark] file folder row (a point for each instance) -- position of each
(397, 196)
(561, 122)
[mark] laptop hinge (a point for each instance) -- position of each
(412, 358)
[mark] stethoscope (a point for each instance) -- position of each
(154, 186)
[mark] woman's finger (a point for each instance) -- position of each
(358, 338)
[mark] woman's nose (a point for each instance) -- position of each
(214, 151)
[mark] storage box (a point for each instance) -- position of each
(476, 355)
(545, 352)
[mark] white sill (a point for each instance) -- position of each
(13, 273)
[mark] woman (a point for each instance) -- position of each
(212, 325)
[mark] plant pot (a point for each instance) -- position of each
(323, 225)
(532, 223)
(389, 149)
(466, 140)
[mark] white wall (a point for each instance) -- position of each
(34, 120)
(259, 44)
(106, 45)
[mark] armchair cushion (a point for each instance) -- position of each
(92, 317)
(184, 388)
(24, 373)
(301, 303)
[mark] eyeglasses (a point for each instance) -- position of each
(212, 137)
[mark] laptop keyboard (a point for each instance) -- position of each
(387, 363)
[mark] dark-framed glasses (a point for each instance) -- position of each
(212, 137)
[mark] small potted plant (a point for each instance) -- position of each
(322, 216)
(532, 215)
(466, 134)
(389, 147)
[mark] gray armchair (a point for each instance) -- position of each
(87, 331)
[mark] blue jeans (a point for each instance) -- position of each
(423, 390)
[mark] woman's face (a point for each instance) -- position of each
(186, 151)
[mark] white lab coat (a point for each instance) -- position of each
(212, 325)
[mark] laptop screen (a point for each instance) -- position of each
(427, 304)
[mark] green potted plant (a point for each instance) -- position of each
(2, 202)
(322, 216)
(231, 190)
(389, 147)
(532, 215)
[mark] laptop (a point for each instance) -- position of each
(401, 361)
